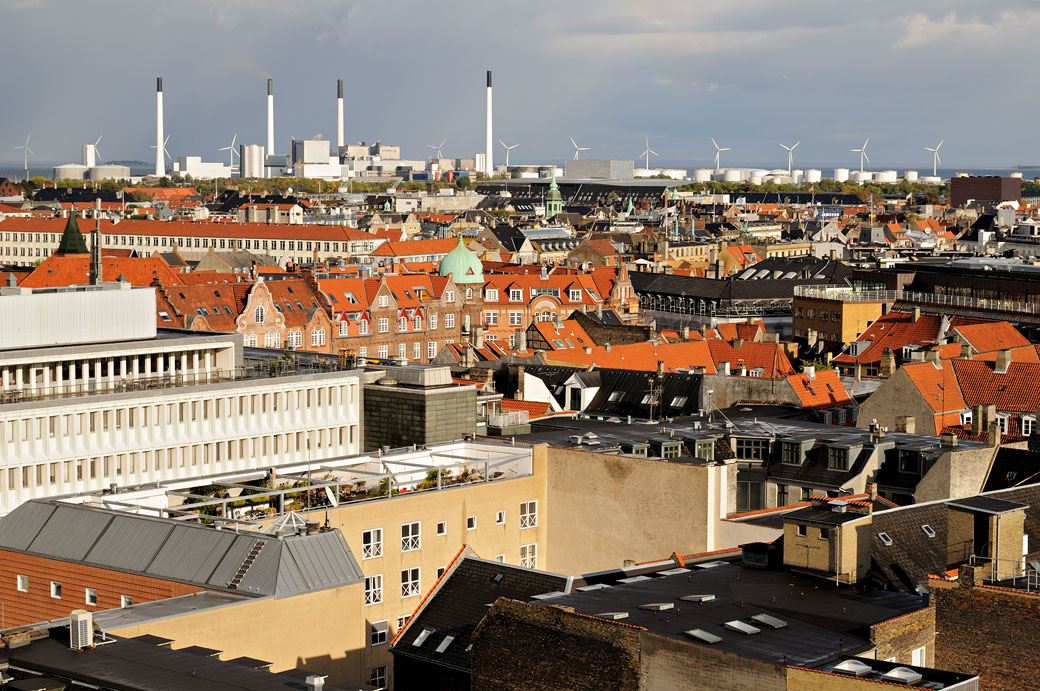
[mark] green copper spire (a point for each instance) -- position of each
(554, 200)
(72, 241)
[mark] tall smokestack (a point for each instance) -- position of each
(339, 114)
(160, 160)
(489, 167)
(270, 117)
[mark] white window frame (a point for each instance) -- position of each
(402, 621)
(516, 318)
(417, 351)
(471, 522)
(529, 514)
(383, 352)
(516, 295)
(372, 543)
(449, 321)
(22, 583)
(501, 558)
(362, 327)
(259, 314)
(56, 590)
(433, 322)
(500, 518)
(919, 656)
(529, 556)
(384, 325)
(384, 300)
(575, 295)
(90, 597)
(402, 325)
(431, 350)
(442, 528)
(491, 295)
(411, 581)
(491, 318)
(373, 589)
(411, 536)
(377, 632)
(1028, 425)
(378, 677)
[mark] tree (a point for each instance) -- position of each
(462, 182)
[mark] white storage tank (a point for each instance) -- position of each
(887, 176)
(841, 174)
(862, 176)
(251, 161)
(733, 175)
(109, 172)
(70, 171)
(813, 175)
(797, 176)
(702, 175)
(931, 179)
(1016, 175)
(756, 177)
(911, 176)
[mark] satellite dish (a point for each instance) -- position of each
(288, 190)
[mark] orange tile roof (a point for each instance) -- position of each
(570, 330)
(641, 357)
(535, 409)
(164, 193)
(897, 329)
(411, 248)
(218, 304)
(1014, 391)
(823, 391)
(74, 269)
(180, 228)
(1029, 353)
(770, 357)
(298, 293)
(992, 336)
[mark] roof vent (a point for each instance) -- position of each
(703, 636)
(902, 675)
(838, 505)
(853, 668)
(612, 615)
(657, 606)
(704, 597)
(770, 621)
(741, 627)
(315, 682)
(497, 578)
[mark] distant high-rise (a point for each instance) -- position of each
(339, 114)
(160, 150)
(489, 166)
(270, 117)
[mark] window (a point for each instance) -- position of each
(384, 325)
(344, 328)
(528, 514)
(126, 601)
(362, 327)
(417, 323)
(402, 350)
(791, 453)
(909, 461)
(1028, 423)
(431, 350)
(801, 530)
(271, 340)
(753, 449)
(383, 352)
(410, 537)
(825, 533)
(449, 321)
(402, 620)
(91, 597)
(491, 295)
(575, 295)
(442, 528)
(377, 634)
(23, 584)
(1002, 422)
(529, 556)
(501, 558)
(931, 533)
(402, 325)
(377, 677)
(372, 543)
(918, 657)
(449, 296)
(410, 582)
(516, 318)
(469, 294)
(318, 337)
(384, 300)
(471, 522)
(433, 321)
(500, 518)
(258, 315)
(374, 589)
(516, 294)
(885, 538)
(416, 350)
(491, 318)
(837, 459)
(56, 590)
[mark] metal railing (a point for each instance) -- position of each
(845, 294)
(509, 419)
(987, 304)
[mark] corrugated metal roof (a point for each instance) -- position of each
(70, 532)
(191, 554)
(233, 559)
(262, 575)
(323, 560)
(19, 528)
(129, 543)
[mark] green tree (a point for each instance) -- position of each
(462, 182)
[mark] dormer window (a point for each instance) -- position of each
(909, 461)
(491, 295)
(575, 294)
(384, 300)
(791, 453)
(837, 459)
(516, 294)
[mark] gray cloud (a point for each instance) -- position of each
(606, 72)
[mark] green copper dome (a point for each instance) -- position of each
(462, 265)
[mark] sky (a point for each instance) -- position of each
(752, 75)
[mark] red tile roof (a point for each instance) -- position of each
(641, 357)
(825, 390)
(897, 329)
(535, 409)
(770, 357)
(569, 330)
(74, 269)
(992, 336)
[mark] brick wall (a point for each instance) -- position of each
(38, 605)
(900, 636)
(518, 646)
(989, 632)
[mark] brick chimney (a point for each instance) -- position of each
(915, 314)
(1003, 362)
(906, 423)
(888, 363)
(982, 417)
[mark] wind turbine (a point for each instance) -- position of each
(438, 147)
(166, 151)
(935, 156)
(26, 152)
(719, 150)
(508, 149)
(862, 151)
(647, 151)
(578, 149)
(231, 154)
(790, 155)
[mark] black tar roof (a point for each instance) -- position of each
(129, 664)
(822, 621)
(981, 504)
(824, 516)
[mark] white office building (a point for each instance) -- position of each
(92, 394)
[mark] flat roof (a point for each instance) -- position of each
(980, 504)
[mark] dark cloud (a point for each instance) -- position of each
(604, 71)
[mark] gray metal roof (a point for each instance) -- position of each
(178, 551)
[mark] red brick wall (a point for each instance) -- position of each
(38, 605)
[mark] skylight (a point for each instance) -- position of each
(444, 644)
(885, 538)
(742, 627)
(657, 606)
(702, 597)
(612, 615)
(703, 636)
(768, 620)
(421, 638)
(928, 530)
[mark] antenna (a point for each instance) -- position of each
(790, 155)
(508, 148)
(935, 157)
(719, 150)
(862, 151)
(577, 149)
(647, 151)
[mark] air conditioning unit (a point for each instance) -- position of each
(81, 629)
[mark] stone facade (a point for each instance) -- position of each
(399, 415)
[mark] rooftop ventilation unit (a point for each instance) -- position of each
(853, 668)
(81, 629)
(902, 675)
(634, 579)
(705, 597)
(703, 636)
(315, 682)
(741, 627)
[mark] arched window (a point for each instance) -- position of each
(469, 294)
(344, 329)
(258, 315)
(417, 323)
(318, 337)
(271, 339)
(402, 325)
(362, 327)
